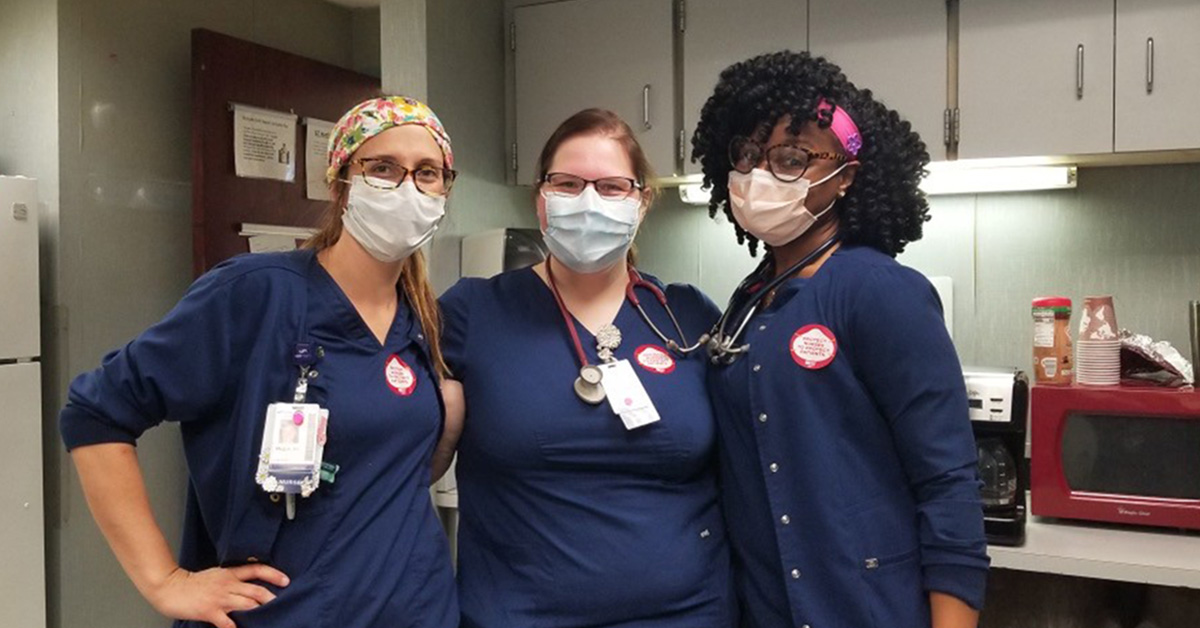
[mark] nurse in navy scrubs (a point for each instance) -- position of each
(574, 514)
(348, 325)
(847, 459)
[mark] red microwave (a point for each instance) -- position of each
(1126, 455)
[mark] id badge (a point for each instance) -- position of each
(293, 445)
(626, 395)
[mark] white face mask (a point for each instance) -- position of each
(589, 233)
(771, 210)
(391, 224)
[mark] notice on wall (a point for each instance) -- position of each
(264, 143)
(316, 157)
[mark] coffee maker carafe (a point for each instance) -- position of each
(999, 407)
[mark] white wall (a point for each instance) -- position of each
(466, 89)
(1127, 232)
(124, 84)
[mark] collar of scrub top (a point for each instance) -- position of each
(721, 345)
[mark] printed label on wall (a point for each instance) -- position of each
(264, 143)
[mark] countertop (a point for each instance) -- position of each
(1105, 551)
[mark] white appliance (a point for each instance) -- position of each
(486, 254)
(22, 540)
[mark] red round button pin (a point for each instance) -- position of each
(400, 376)
(654, 359)
(813, 346)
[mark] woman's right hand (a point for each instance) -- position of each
(116, 492)
(210, 595)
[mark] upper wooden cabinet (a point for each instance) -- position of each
(1035, 78)
(719, 33)
(1157, 90)
(897, 49)
(615, 54)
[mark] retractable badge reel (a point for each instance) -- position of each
(293, 443)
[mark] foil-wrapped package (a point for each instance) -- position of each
(1145, 362)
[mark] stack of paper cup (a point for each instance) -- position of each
(1098, 350)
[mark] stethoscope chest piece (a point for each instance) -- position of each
(587, 385)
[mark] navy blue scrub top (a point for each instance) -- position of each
(364, 551)
(850, 488)
(567, 518)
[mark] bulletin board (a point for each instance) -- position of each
(226, 72)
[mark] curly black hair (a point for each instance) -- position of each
(883, 208)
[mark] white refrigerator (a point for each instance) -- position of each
(22, 531)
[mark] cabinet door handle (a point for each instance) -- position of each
(1079, 72)
(646, 107)
(1149, 65)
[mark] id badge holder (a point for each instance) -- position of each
(293, 444)
(292, 450)
(626, 395)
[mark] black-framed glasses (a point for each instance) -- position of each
(787, 162)
(613, 188)
(386, 174)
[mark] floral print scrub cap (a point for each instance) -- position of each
(372, 117)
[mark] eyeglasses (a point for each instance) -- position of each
(386, 174)
(787, 162)
(613, 188)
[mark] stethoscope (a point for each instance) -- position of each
(588, 385)
(720, 344)
(681, 347)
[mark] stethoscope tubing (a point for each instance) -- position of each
(721, 346)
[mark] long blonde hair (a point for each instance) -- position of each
(414, 276)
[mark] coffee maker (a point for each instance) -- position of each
(999, 411)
